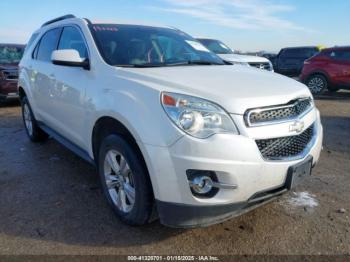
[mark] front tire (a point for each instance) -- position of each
(317, 84)
(34, 132)
(125, 181)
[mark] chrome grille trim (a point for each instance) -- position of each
(288, 148)
(292, 111)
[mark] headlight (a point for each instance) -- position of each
(312, 101)
(197, 117)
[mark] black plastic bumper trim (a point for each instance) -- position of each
(189, 216)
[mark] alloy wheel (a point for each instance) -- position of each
(119, 181)
(316, 85)
(28, 121)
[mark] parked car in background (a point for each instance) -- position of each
(290, 60)
(170, 127)
(271, 57)
(330, 70)
(10, 56)
(228, 55)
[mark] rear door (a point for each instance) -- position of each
(291, 60)
(42, 75)
(341, 67)
(286, 60)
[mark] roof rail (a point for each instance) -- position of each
(58, 19)
(87, 20)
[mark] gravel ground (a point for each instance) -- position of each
(50, 203)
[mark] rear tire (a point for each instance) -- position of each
(125, 181)
(34, 132)
(317, 84)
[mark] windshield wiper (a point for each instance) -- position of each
(194, 62)
(189, 62)
(142, 65)
(202, 62)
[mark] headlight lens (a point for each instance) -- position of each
(197, 117)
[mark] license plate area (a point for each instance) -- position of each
(296, 174)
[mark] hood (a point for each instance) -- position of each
(236, 88)
(231, 57)
(243, 58)
(8, 66)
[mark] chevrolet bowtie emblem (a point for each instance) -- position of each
(297, 126)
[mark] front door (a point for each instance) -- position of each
(68, 105)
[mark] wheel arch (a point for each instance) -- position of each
(21, 92)
(106, 125)
(319, 72)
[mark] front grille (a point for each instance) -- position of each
(10, 74)
(261, 65)
(278, 113)
(285, 147)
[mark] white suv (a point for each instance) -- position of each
(169, 126)
(227, 54)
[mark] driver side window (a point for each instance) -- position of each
(71, 38)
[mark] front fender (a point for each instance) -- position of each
(138, 108)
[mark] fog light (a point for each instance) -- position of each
(201, 185)
(205, 184)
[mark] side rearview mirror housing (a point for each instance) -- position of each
(69, 57)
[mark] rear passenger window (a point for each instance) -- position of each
(48, 44)
(72, 39)
(346, 55)
(341, 55)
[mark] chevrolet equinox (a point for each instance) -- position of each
(173, 131)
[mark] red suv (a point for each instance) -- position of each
(10, 55)
(329, 69)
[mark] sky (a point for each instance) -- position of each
(245, 25)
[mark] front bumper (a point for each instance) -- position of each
(235, 159)
(8, 90)
(9, 96)
(189, 216)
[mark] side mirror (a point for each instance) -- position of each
(69, 57)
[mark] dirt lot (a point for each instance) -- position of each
(50, 203)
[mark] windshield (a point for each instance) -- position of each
(11, 54)
(216, 46)
(143, 46)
